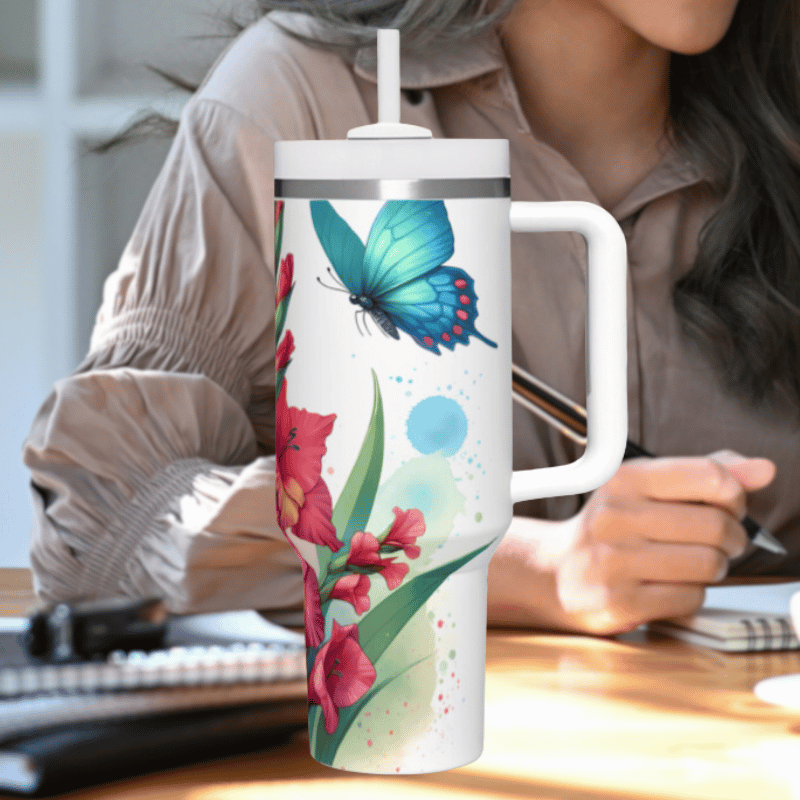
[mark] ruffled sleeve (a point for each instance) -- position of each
(151, 465)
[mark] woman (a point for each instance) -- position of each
(151, 467)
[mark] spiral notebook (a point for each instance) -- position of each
(224, 683)
(744, 618)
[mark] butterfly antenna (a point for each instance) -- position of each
(335, 288)
(336, 279)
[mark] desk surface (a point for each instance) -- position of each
(567, 717)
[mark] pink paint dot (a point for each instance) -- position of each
(428, 341)
(464, 300)
(445, 337)
(397, 769)
(458, 330)
(440, 623)
(369, 742)
(440, 696)
(460, 284)
(461, 314)
(330, 470)
(405, 704)
(446, 710)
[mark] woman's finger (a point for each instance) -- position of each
(625, 606)
(659, 562)
(634, 524)
(659, 600)
(696, 479)
(752, 473)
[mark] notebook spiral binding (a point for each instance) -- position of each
(176, 666)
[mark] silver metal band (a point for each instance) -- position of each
(425, 189)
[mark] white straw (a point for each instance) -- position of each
(388, 75)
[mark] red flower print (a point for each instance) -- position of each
(407, 526)
(364, 552)
(278, 210)
(285, 278)
(312, 605)
(303, 499)
(354, 589)
(394, 572)
(341, 674)
(285, 350)
(314, 621)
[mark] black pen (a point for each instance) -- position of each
(570, 418)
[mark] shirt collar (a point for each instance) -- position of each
(672, 173)
(457, 62)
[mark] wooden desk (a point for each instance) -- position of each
(567, 718)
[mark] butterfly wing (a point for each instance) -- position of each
(341, 244)
(408, 238)
(439, 308)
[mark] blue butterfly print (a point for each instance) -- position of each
(398, 278)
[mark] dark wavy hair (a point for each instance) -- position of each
(734, 112)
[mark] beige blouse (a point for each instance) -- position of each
(151, 466)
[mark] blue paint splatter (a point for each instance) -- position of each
(437, 424)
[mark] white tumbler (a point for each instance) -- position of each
(394, 434)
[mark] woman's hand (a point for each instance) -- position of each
(644, 546)
(647, 542)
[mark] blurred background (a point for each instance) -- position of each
(73, 73)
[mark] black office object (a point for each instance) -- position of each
(205, 695)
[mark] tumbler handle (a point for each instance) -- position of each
(606, 347)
